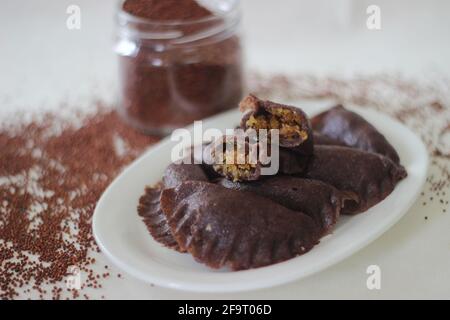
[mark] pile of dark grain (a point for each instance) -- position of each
(50, 181)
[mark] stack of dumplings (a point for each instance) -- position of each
(230, 215)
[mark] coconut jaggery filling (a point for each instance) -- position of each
(286, 121)
(232, 166)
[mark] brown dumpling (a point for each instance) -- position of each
(294, 127)
(319, 200)
(150, 210)
(149, 204)
(370, 175)
(351, 129)
(241, 230)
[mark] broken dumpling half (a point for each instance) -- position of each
(294, 128)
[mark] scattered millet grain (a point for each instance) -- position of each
(50, 181)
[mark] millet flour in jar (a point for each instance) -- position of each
(179, 62)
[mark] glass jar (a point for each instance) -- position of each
(175, 72)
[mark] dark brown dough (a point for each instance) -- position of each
(178, 173)
(241, 230)
(370, 175)
(351, 129)
(150, 210)
(319, 200)
(294, 127)
(149, 204)
(320, 139)
(198, 159)
(290, 162)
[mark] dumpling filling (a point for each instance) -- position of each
(286, 121)
(236, 164)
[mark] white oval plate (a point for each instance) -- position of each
(123, 237)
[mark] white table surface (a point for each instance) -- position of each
(42, 64)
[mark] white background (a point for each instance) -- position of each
(42, 64)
